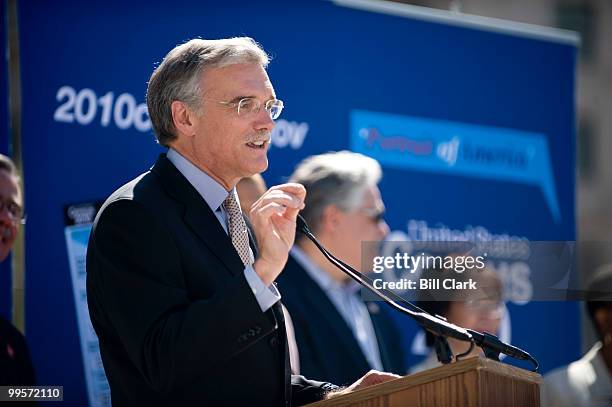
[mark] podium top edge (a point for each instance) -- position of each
(474, 363)
(501, 368)
(479, 364)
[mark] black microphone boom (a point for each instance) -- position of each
(491, 345)
(436, 325)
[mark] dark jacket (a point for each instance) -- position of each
(177, 321)
(326, 344)
(15, 364)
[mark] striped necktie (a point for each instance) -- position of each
(238, 229)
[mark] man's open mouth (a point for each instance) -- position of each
(257, 144)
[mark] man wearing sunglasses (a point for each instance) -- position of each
(182, 300)
(339, 336)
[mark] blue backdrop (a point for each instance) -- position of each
(339, 70)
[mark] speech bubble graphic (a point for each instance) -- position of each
(456, 148)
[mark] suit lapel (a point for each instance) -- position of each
(378, 325)
(318, 300)
(198, 215)
(252, 237)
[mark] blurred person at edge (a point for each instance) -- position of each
(481, 309)
(587, 381)
(339, 335)
(15, 364)
(183, 302)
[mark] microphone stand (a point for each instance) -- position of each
(437, 325)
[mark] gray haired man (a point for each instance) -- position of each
(182, 301)
(338, 335)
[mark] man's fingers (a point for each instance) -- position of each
(293, 203)
(291, 188)
(279, 198)
(291, 213)
(269, 209)
(283, 197)
(375, 377)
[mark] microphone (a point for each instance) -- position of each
(436, 325)
(491, 345)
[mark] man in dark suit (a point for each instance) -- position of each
(339, 336)
(182, 301)
(16, 367)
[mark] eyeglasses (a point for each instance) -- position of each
(251, 106)
(376, 214)
(493, 309)
(15, 210)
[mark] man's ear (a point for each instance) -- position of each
(183, 118)
(330, 219)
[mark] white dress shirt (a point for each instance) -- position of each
(214, 194)
(345, 297)
(583, 383)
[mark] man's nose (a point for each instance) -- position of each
(264, 120)
(383, 229)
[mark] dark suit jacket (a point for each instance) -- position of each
(16, 366)
(177, 321)
(326, 344)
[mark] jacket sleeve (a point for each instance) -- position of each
(137, 296)
(304, 391)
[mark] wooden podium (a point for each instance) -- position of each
(474, 382)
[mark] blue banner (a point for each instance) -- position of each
(472, 123)
(445, 147)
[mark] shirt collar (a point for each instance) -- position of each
(210, 190)
(319, 275)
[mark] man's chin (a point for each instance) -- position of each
(259, 166)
